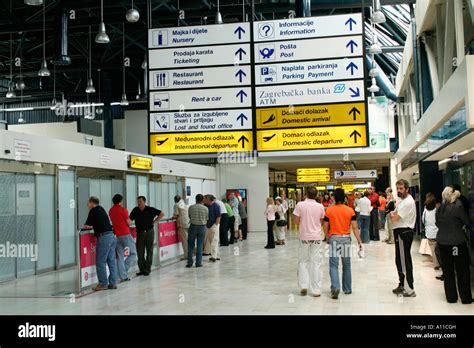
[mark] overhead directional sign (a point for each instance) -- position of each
(309, 49)
(289, 29)
(199, 78)
(185, 143)
(199, 35)
(201, 99)
(355, 174)
(307, 93)
(280, 177)
(199, 56)
(313, 171)
(311, 138)
(311, 115)
(193, 121)
(323, 70)
(313, 178)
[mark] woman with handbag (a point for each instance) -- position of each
(280, 222)
(430, 229)
(451, 220)
(270, 215)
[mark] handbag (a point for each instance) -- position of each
(425, 247)
(281, 223)
(277, 216)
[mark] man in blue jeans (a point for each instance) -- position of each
(121, 224)
(337, 224)
(106, 243)
(198, 215)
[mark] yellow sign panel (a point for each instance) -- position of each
(348, 187)
(311, 115)
(139, 162)
(321, 188)
(313, 171)
(313, 178)
(311, 138)
(185, 143)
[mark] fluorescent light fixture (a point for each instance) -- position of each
(446, 160)
(85, 105)
(20, 109)
(63, 167)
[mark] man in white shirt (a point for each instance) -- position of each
(365, 207)
(403, 219)
(180, 213)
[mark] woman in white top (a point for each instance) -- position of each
(280, 230)
(429, 223)
(270, 214)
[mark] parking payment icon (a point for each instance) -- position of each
(268, 74)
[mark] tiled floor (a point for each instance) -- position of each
(252, 280)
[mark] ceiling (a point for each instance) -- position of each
(22, 30)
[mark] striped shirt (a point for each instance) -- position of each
(198, 214)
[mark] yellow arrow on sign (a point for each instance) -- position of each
(311, 138)
(313, 171)
(313, 178)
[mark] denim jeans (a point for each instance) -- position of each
(340, 246)
(364, 222)
(195, 232)
(105, 256)
(123, 264)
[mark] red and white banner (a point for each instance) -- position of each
(87, 247)
(170, 245)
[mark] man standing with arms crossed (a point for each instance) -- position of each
(308, 216)
(180, 213)
(145, 217)
(403, 220)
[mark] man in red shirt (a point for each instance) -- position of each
(374, 215)
(121, 225)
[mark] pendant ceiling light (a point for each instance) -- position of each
(378, 16)
(218, 14)
(102, 37)
(44, 71)
(90, 84)
(34, 2)
(124, 101)
(145, 63)
(99, 110)
(132, 15)
(54, 101)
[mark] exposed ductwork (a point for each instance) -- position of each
(61, 56)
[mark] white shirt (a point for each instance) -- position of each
(429, 221)
(365, 206)
(181, 210)
(221, 206)
(406, 209)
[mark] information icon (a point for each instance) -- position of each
(266, 31)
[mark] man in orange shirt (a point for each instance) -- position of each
(338, 221)
(383, 204)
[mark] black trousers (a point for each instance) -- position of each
(231, 228)
(145, 240)
(270, 236)
(455, 264)
(223, 228)
(243, 228)
(374, 225)
(403, 241)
